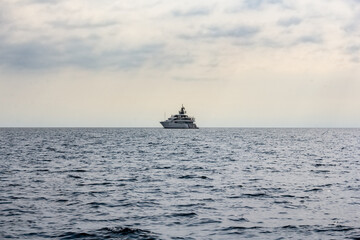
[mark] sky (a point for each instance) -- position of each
(232, 63)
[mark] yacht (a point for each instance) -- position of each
(180, 120)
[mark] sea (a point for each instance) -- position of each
(154, 183)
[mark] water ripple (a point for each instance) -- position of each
(158, 184)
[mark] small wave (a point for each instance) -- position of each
(51, 149)
(39, 199)
(190, 205)
(269, 152)
(78, 170)
(208, 220)
(338, 228)
(192, 176)
(208, 200)
(15, 212)
(94, 193)
(235, 196)
(132, 233)
(96, 204)
(289, 227)
(110, 233)
(96, 184)
(68, 145)
(320, 171)
(38, 181)
(73, 176)
(203, 221)
(162, 167)
(253, 195)
(281, 202)
(238, 229)
(187, 214)
(313, 190)
(325, 185)
(254, 179)
(134, 179)
(316, 228)
(14, 185)
(74, 235)
(241, 219)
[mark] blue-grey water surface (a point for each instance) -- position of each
(215, 183)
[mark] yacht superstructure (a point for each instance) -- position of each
(180, 120)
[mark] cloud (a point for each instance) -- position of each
(355, 59)
(237, 32)
(83, 24)
(241, 31)
(172, 60)
(199, 11)
(278, 43)
(352, 26)
(287, 22)
(77, 53)
(256, 4)
(132, 34)
(353, 49)
(315, 39)
(132, 58)
(354, 52)
(27, 55)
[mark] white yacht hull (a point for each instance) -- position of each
(168, 124)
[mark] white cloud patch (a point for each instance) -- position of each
(76, 53)
(236, 32)
(315, 39)
(354, 52)
(286, 22)
(241, 31)
(256, 4)
(192, 12)
(354, 49)
(83, 24)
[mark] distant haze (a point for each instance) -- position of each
(250, 63)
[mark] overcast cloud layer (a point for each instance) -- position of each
(258, 62)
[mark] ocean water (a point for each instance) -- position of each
(153, 183)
